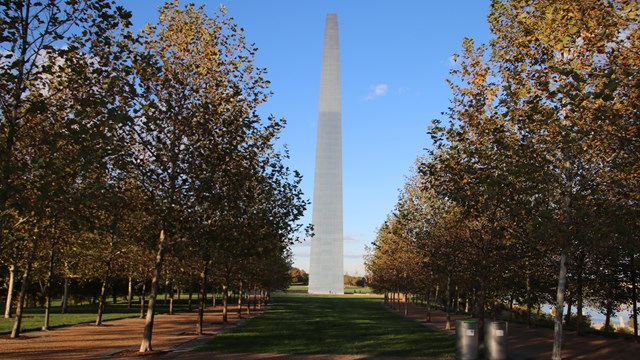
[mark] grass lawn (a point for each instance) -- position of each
(332, 325)
(347, 289)
(33, 318)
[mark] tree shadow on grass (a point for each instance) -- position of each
(332, 325)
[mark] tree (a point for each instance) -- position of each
(196, 132)
(45, 124)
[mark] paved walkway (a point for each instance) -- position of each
(174, 333)
(537, 343)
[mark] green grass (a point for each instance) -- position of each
(332, 325)
(298, 289)
(358, 290)
(347, 289)
(33, 317)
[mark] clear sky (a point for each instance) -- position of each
(394, 59)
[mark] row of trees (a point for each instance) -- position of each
(530, 192)
(138, 155)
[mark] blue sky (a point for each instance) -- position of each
(394, 59)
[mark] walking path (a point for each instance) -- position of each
(537, 343)
(86, 341)
(174, 335)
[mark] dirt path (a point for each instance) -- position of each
(87, 341)
(537, 343)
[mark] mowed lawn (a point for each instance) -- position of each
(306, 324)
(33, 318)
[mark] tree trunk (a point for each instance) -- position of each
(65, 295)
(634, 295)
(15, 331)
(130, 293)
(166, 285)
(255, 298)
(148, 325)
(567, 316)
(214, 297)
(607, 318)
(47, 292)
(247, 296)
(190, 292)
(225, 295)
(429, 306)
(579, 298)
(171, 296)
(482, 303)
(557, 329)
(406, 304)
(144, 286)
(240, 302)
(7, 307)
(447, 325)
(103, 296)
(203, 298)
(529, 301)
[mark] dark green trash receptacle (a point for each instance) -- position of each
(495, 338)
(466, 340)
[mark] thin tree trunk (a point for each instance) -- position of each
(607, 319)
(151, 310)
(15, 331)
(240, 302)
(225, 295)
(447, 325)
(579, 298)
(429, 305)
(171, 295)
(144, 288)
(529, 301)
(65, 295)
(7, 308)
(190, 292)
(166, 285)
(557, 329)
(103, 296)
(406, 304)
(247, 296)
(130, 293)
(634, 295)
(255, 299)
(567, 316)
(203, 298)
(47, 292)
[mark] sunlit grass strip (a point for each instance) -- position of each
(33, 318)
(347, 289)
(333, 325)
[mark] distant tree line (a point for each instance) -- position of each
(299, 276)
(137, 161)
(530, 192)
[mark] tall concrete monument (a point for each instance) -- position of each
(326, 267)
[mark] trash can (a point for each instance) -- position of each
(466, 340)
(495, 337)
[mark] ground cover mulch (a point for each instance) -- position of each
(120, 339)
(537, 342)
